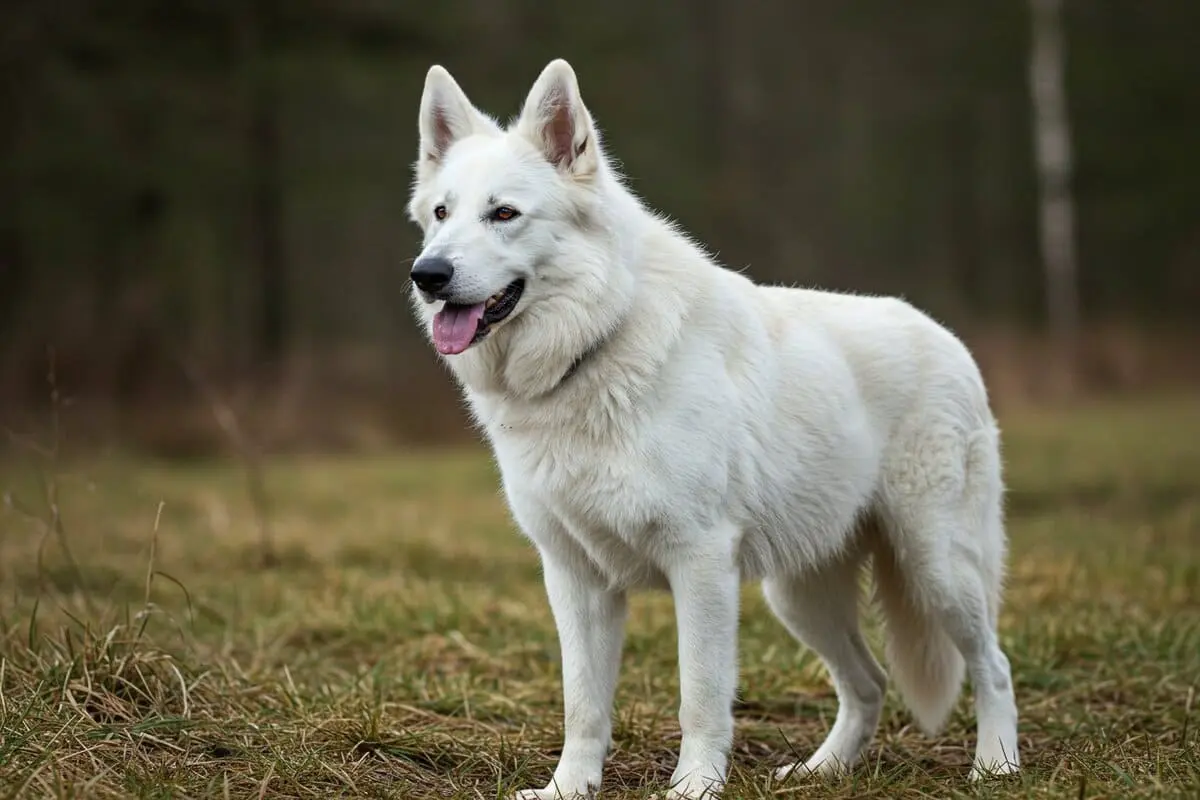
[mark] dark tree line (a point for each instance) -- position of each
(227, 179)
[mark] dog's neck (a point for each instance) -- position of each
(540, 355)
(544, 349)
(579, 361)
(565, 366)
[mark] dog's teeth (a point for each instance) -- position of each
(491, 302)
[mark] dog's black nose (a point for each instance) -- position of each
(432, 274)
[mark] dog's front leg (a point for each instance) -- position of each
(590, 618)
(705, 587)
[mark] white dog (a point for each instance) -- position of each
(663, 422)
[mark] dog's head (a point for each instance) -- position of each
(497, 204)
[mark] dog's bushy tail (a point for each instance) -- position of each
(923, 661)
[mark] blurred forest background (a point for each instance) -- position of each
(201, 203)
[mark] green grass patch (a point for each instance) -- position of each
(397, 642)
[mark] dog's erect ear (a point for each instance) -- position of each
(446, 115)
(555, 119)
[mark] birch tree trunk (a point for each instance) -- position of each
(1052, 140)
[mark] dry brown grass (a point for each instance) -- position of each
(400, 645)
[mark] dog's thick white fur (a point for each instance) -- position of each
(662, 422)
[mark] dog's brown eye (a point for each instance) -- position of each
(440, 212)
(505, 213)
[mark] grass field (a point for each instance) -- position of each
(398, 643)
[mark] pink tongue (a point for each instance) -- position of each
(454, 327)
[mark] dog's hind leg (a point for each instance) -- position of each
(991, 681)
(956, 598)
(939, 581)
(821, 610)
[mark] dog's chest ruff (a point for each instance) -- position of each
(610, 502)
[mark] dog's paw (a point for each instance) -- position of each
(698, 783)
(575, 778)
(569, 783)
(696, 788)
(993, 769)
(551, 792)
(816, 767)
(796, 771)
(700, 773)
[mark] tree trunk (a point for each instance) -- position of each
(1052, 138)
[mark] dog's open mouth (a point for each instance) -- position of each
(456, 327)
